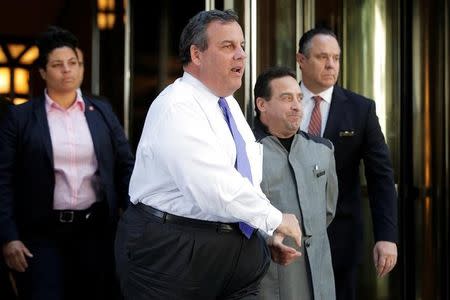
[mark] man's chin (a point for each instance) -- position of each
(328, 83)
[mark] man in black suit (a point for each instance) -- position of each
(349, 120)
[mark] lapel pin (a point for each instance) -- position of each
(347, 133)
(318, 172)
(91, 108)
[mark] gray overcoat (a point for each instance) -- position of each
(303, 182)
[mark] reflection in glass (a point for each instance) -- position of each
(5, 79)
(30, 56)
(21, 77)
(156, 28)
(276, 34)
(368, 32)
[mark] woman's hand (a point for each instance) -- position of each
(15, 254)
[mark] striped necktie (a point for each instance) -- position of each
(315, 123)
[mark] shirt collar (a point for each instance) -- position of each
(50, 104)
(199, 86)
(326, 95)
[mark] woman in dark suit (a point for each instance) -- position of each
(65, 165)
(6, 292)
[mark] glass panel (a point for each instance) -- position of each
(15, 50)
(329, 14)
(5, 80)
(102, 21)
(156, 26)
(270, 33)
(18, 101)
(430, 135)
(109, 57)
(30, 56)
(3, 58)
(370, 58)
(243, 10)
(21, 79)
(369, 37)
(276, 42)
(110, 20)
(105, 4)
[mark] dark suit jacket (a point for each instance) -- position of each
(27, 172)
(3, 107)
(354, 129)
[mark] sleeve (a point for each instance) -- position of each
(123, 159)
(380, 180)
(332, 188)
(201, 169)
(8, 156)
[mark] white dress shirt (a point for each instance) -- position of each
(185, 160)
(308, 106)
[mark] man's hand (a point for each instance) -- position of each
(384, 257)
(289, 227)
(281, 254)
(15, 254)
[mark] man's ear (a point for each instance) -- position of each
(300, 58)
(43, 73)
(261, 104)
(195, 54)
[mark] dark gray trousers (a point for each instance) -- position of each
(159, 260)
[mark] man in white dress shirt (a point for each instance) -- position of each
(182, 237)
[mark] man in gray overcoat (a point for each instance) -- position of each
(299, 177)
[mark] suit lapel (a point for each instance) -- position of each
(92, 119)
(41, 119)
(336, 115)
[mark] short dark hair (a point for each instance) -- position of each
(194, 33)
(305, 41)
(54, 37)
(262, 87)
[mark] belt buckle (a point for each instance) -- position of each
(66, 216)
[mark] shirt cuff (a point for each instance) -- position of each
(273, 220)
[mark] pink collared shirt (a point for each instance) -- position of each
(74, 157)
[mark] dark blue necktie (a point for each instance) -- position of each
(242, 163)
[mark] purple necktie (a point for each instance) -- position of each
(242, 164)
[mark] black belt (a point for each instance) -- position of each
(169, 218)
(77, 216)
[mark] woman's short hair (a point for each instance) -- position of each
(54, 37)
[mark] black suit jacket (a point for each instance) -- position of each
(354, 129)
(26, 165)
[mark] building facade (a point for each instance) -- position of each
(395, 52)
